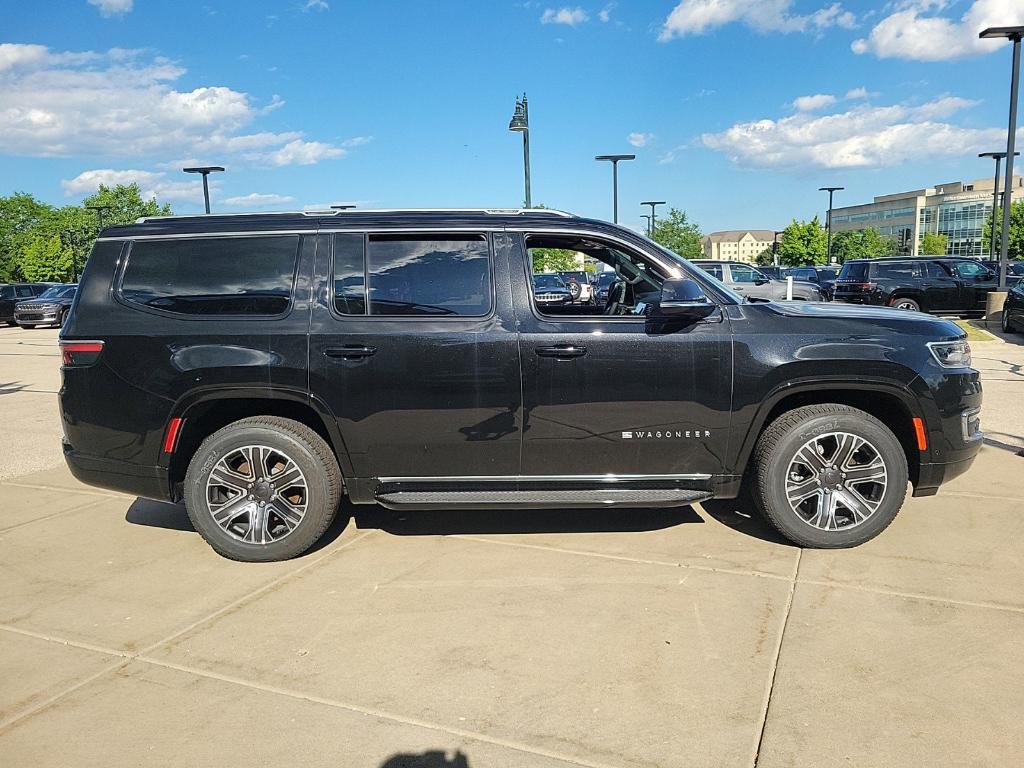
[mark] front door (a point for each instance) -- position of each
(415, 353)
(941, 289)
(606, 391)
(976, 282)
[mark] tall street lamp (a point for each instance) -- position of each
(775, 246)
(205, 170)
(1014, 34)
(520, 123)
(998, 156)
(614, 160)
(831, 191)
(650, 229)
(654, 219)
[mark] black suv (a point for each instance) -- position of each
(825, 277)
(12, 293)
(936, 284)
(259, 367)
(48, 308)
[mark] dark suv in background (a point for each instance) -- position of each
(12, 293)
(824, 277)
(51, 307)
(259, 367)
(939, 285)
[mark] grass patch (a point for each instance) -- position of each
(974, 333)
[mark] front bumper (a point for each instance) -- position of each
(36, 318)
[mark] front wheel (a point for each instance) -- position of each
(1006, 323)
(829, 476)
(263, 488)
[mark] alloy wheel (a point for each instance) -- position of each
(836, 481)
(257, 494)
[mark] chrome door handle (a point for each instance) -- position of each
(562, 351)
(354, 352)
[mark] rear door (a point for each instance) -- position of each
(415, 352)
(976, 282)
(941, 288)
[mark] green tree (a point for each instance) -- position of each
(765, 258)
(803, 243)
(1015, 248)
(46, 258)
(861, 244)
(933, 244)
(677, 233)
(126, 204)
(554, 260)
(20, 215)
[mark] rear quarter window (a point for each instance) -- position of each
(894, 270)
(212, 275)
(854, 271)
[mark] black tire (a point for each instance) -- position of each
(62, 318)
(295, 441)
(777, 448)
(27, 326)
(1007, 324)
(11, 323)
(907, 304)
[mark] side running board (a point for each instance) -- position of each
(542, 499)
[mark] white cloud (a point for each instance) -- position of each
(605, 14)
(357, 141)
(857, 93)
(152, 183)
(300, 152)
(862, 137)
(640, 139)
(811, 103)
(696, 17)
(316, 5)
(914, 31)
(258, 200)
(570, 16)
(112, 7)
(123, 103)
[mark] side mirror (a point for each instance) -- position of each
(760, 281)
(682, 297)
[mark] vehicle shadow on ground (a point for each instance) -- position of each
(11, 388)
(510, 521)
(429, 759)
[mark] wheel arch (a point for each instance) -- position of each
(908, 293)
(893, 406)
(203, 415)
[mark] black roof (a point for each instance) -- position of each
(486, 218)
(912, 258)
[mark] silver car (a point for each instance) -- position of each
(747, 280)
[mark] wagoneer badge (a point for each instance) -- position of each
(666, 434)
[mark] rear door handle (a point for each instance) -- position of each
(353, 352)
(562, 351)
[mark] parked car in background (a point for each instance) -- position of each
(750, 281)
(602, 283)
(12, 293)
(1014, 273)
(824, 277)
(1013, 310)
(936, 284)
(550, 289)
(775, 273)
(51, 307)
(579, 286)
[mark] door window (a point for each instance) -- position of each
(24, 291)
(636, 282)
(744, 274)
(417, 275)
(971, 269)
(937, 271)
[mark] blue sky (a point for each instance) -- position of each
(396, 104)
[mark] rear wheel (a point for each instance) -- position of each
(263, 488)
(829, 476)
(906, 304)
(1007, 324)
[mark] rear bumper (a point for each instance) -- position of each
(135, 479)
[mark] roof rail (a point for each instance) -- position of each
(356, 211)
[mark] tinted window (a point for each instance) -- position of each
(712, 269)
(937, 270)
(856, 270)
(743, 274)
(894, 270)
(971, 269)
(804, 274)
(349, 275)
(24, 291)
(826, 274)
(58, 292)
(7, 292)
(212, 276)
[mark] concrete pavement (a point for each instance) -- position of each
(596, 638)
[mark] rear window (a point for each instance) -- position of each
(894, 270)
(213, 275)
(854, 270)
(399, 275)
(712, 269)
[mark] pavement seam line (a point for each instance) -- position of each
(87, 505)
(83, 490)
(622, 558)
(65, 642)
(372, 712)
(256, 592)
(773, 671)
(914, 596)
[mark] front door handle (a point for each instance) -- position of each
(562, 351)
(354, 352)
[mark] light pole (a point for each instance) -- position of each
(520, 123)
(831, 191)
(653, 219)
(205, 170)
(650, 229)
(998, 156)
(100, 210)
(614, 159)
(1014, 34)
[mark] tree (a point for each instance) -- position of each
(1015, 249)
(677, 233)
(803, 243)
(47, 259)
(20, 214)
(126, 204)
(765, 258)
(933, 244)
(554, 260)
(861, 244)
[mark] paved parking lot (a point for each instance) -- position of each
(689, 637)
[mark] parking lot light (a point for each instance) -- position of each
(520, 123)
(205, 170)
(831, 191)
(614, 160)
(653, 220)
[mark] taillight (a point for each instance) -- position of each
(77, 354)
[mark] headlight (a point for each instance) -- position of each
(951, 354)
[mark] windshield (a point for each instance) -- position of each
(548, 281)
(58, 292)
